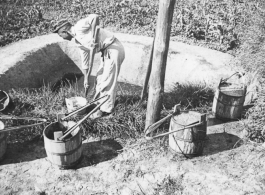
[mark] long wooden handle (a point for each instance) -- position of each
(82, 108)
(154, 126)
(20, 127)
(167, 133)
(91, 59)
(82, 120)
(176, 111)
(10, 117)
(148, 72)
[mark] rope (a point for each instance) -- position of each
(187, 157)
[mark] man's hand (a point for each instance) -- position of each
(92, 44)
(86, 85)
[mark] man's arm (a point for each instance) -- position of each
(94, 24)
(94, 30)
(91, 60)
(87, 56)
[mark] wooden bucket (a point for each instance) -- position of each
(229, 100)
(3, 142)
(67, 153)
(188, 141)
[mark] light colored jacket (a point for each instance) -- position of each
(83, 38)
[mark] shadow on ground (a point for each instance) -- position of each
(24, 152)
(93, 152)
(220, 142)
(99, 151)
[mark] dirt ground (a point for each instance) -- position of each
(109, 166)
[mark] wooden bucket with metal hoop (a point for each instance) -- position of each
(190, 138)
(63, 141)
(229, 99)
(66, 153)
(187, 132)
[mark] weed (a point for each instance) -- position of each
(170, 186)
(251, 58)
(127, 120)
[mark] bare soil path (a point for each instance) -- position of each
(143, 167)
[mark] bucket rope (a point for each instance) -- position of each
(187, 157)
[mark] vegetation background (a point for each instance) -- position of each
(232, 26)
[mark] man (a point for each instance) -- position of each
(91, 39)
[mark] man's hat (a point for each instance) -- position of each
(59, 25)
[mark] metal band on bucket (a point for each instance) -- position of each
(66, 153)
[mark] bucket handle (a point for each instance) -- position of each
(154, 126)
(82, 120)
(241, 74)
(163, 134)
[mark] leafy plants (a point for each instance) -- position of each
(214, 24)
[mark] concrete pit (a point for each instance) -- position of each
(45, 59)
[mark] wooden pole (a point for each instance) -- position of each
(148, 72)
(156, 88)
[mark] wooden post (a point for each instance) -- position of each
(156, 88)
(148, 72)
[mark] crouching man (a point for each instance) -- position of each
(91, 39)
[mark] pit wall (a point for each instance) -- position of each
(44, 59)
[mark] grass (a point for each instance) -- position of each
(251, 58)
(236, 27)
(127, 120)
(170, 186)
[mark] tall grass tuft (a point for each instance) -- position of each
(127, 120)
(191, 96)
(251, 58)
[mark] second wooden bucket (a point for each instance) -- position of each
(3, 142)
(229, 100)
(67, 153)
(188, 141)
